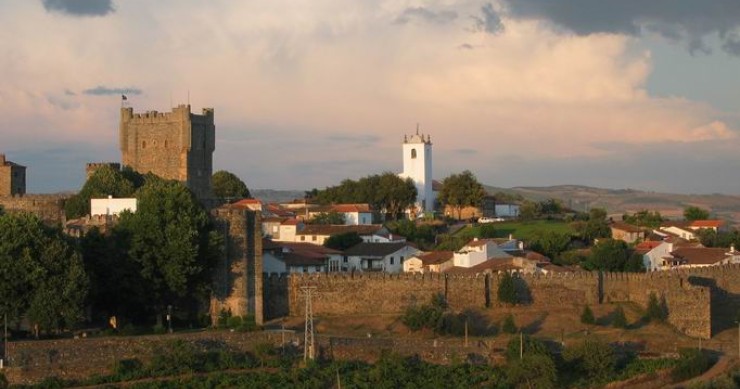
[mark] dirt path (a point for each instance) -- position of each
(723, 365)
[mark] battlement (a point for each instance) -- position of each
(180, 113)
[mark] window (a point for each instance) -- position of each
(305, 269)
(143, 144)
(391, 260)
(413, 153)
(345, 259)
(401, 260)
(303, 238)
(318, 268)
(313, 238)
(165, 144)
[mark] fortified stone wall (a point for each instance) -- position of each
(237, 278)
(695, 298)
(49, 208)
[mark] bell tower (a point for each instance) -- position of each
(417, 165)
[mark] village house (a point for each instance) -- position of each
(480, 250)
(387, 257)
(250, 204)
(319, 233)
(292, 257)
(353, 214)
(626, 232)
(691, 257)
(431, 262)
(112, 207)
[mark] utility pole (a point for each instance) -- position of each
(5, 343)
(466, 332)
(309, 351)
(521, 345)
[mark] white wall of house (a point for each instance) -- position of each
(111, 206)
(391, 263)
(688, 235)
(470, 256)
(507, 210)
(287, 233)
(357, 218)
(413, 265)
(653, 259)
(272, 264)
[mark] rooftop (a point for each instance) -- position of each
(368, 249)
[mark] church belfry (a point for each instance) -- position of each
(417, 165)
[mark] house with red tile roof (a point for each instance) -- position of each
(430, 262)
(250, 204)
(714, 225)
(690, 257)
(292, 257)
(626, 232)
(381, 257)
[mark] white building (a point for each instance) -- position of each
(291, 257)
(654, 253)
(507, 210)
(478, 251)
(417, 165)
(111, 206)
(387, 257)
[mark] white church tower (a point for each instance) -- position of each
(417, 165)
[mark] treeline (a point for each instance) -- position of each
(386, 193)
(159, 256)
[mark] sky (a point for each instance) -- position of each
(614, 93)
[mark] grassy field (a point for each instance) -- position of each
(520, 229)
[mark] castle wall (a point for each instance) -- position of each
(49, 208)
(12, 178)
(697, 299)
(237, 278)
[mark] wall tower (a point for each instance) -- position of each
(175, 145)
(417, 165)
(12, 178)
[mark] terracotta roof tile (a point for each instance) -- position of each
(436, 257)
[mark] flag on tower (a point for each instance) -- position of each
(123, 97)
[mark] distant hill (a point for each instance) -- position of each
(276, 196)
(619, 201)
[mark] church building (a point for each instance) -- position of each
(417, 165)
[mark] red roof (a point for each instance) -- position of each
(436, 257)
(348, 208)
(290, 222)
(707, 223)
(646, 246)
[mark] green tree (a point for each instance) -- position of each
(524, 344)
(619, 319)
(328, 218)
(532, 371)
(385, 192)
(528, 211)
(106, 181)
(644, 218)
(43, 276)
(227, 185)
(587, 316)
(608, 255)
(656, 310)
(692, 213)
(592, 358)
(507, 289)
(691, 363)
(635, 263)
(461, 190)
(509, 326)
(343, 241)
(171, 241)
(550, 243)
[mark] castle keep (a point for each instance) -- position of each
(175, 145)
(12, 178)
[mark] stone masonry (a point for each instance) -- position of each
(237, 277)
(12, 178)
(175, 145)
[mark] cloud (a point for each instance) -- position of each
(424, 14)
(489, 21)
(689, 21)
(106, 91)
(80, 7)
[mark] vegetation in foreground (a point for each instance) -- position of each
(530, 363)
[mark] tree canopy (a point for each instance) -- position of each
(385, 192)
(644, 219)
(460, 191)
(227, 185)
(43, 276)
(106, 181)
(343, 241)
(692, 213)
(609, 255)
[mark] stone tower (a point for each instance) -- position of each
(237, 277)
(175, 145)
(12, 178)
(417, 165)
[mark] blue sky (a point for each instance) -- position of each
(618, 94)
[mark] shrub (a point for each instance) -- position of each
(656, 310)
(3, 380)
(159, 328)
(174, 357)
(691, 363)
(507, 289)
(532, 371)
(426, 316)
(530, 346)
(509, 326)
(587, 316)
(234, 322)
(593, 358)
(619, 320)
(128, 368)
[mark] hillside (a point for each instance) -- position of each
(618, 201)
